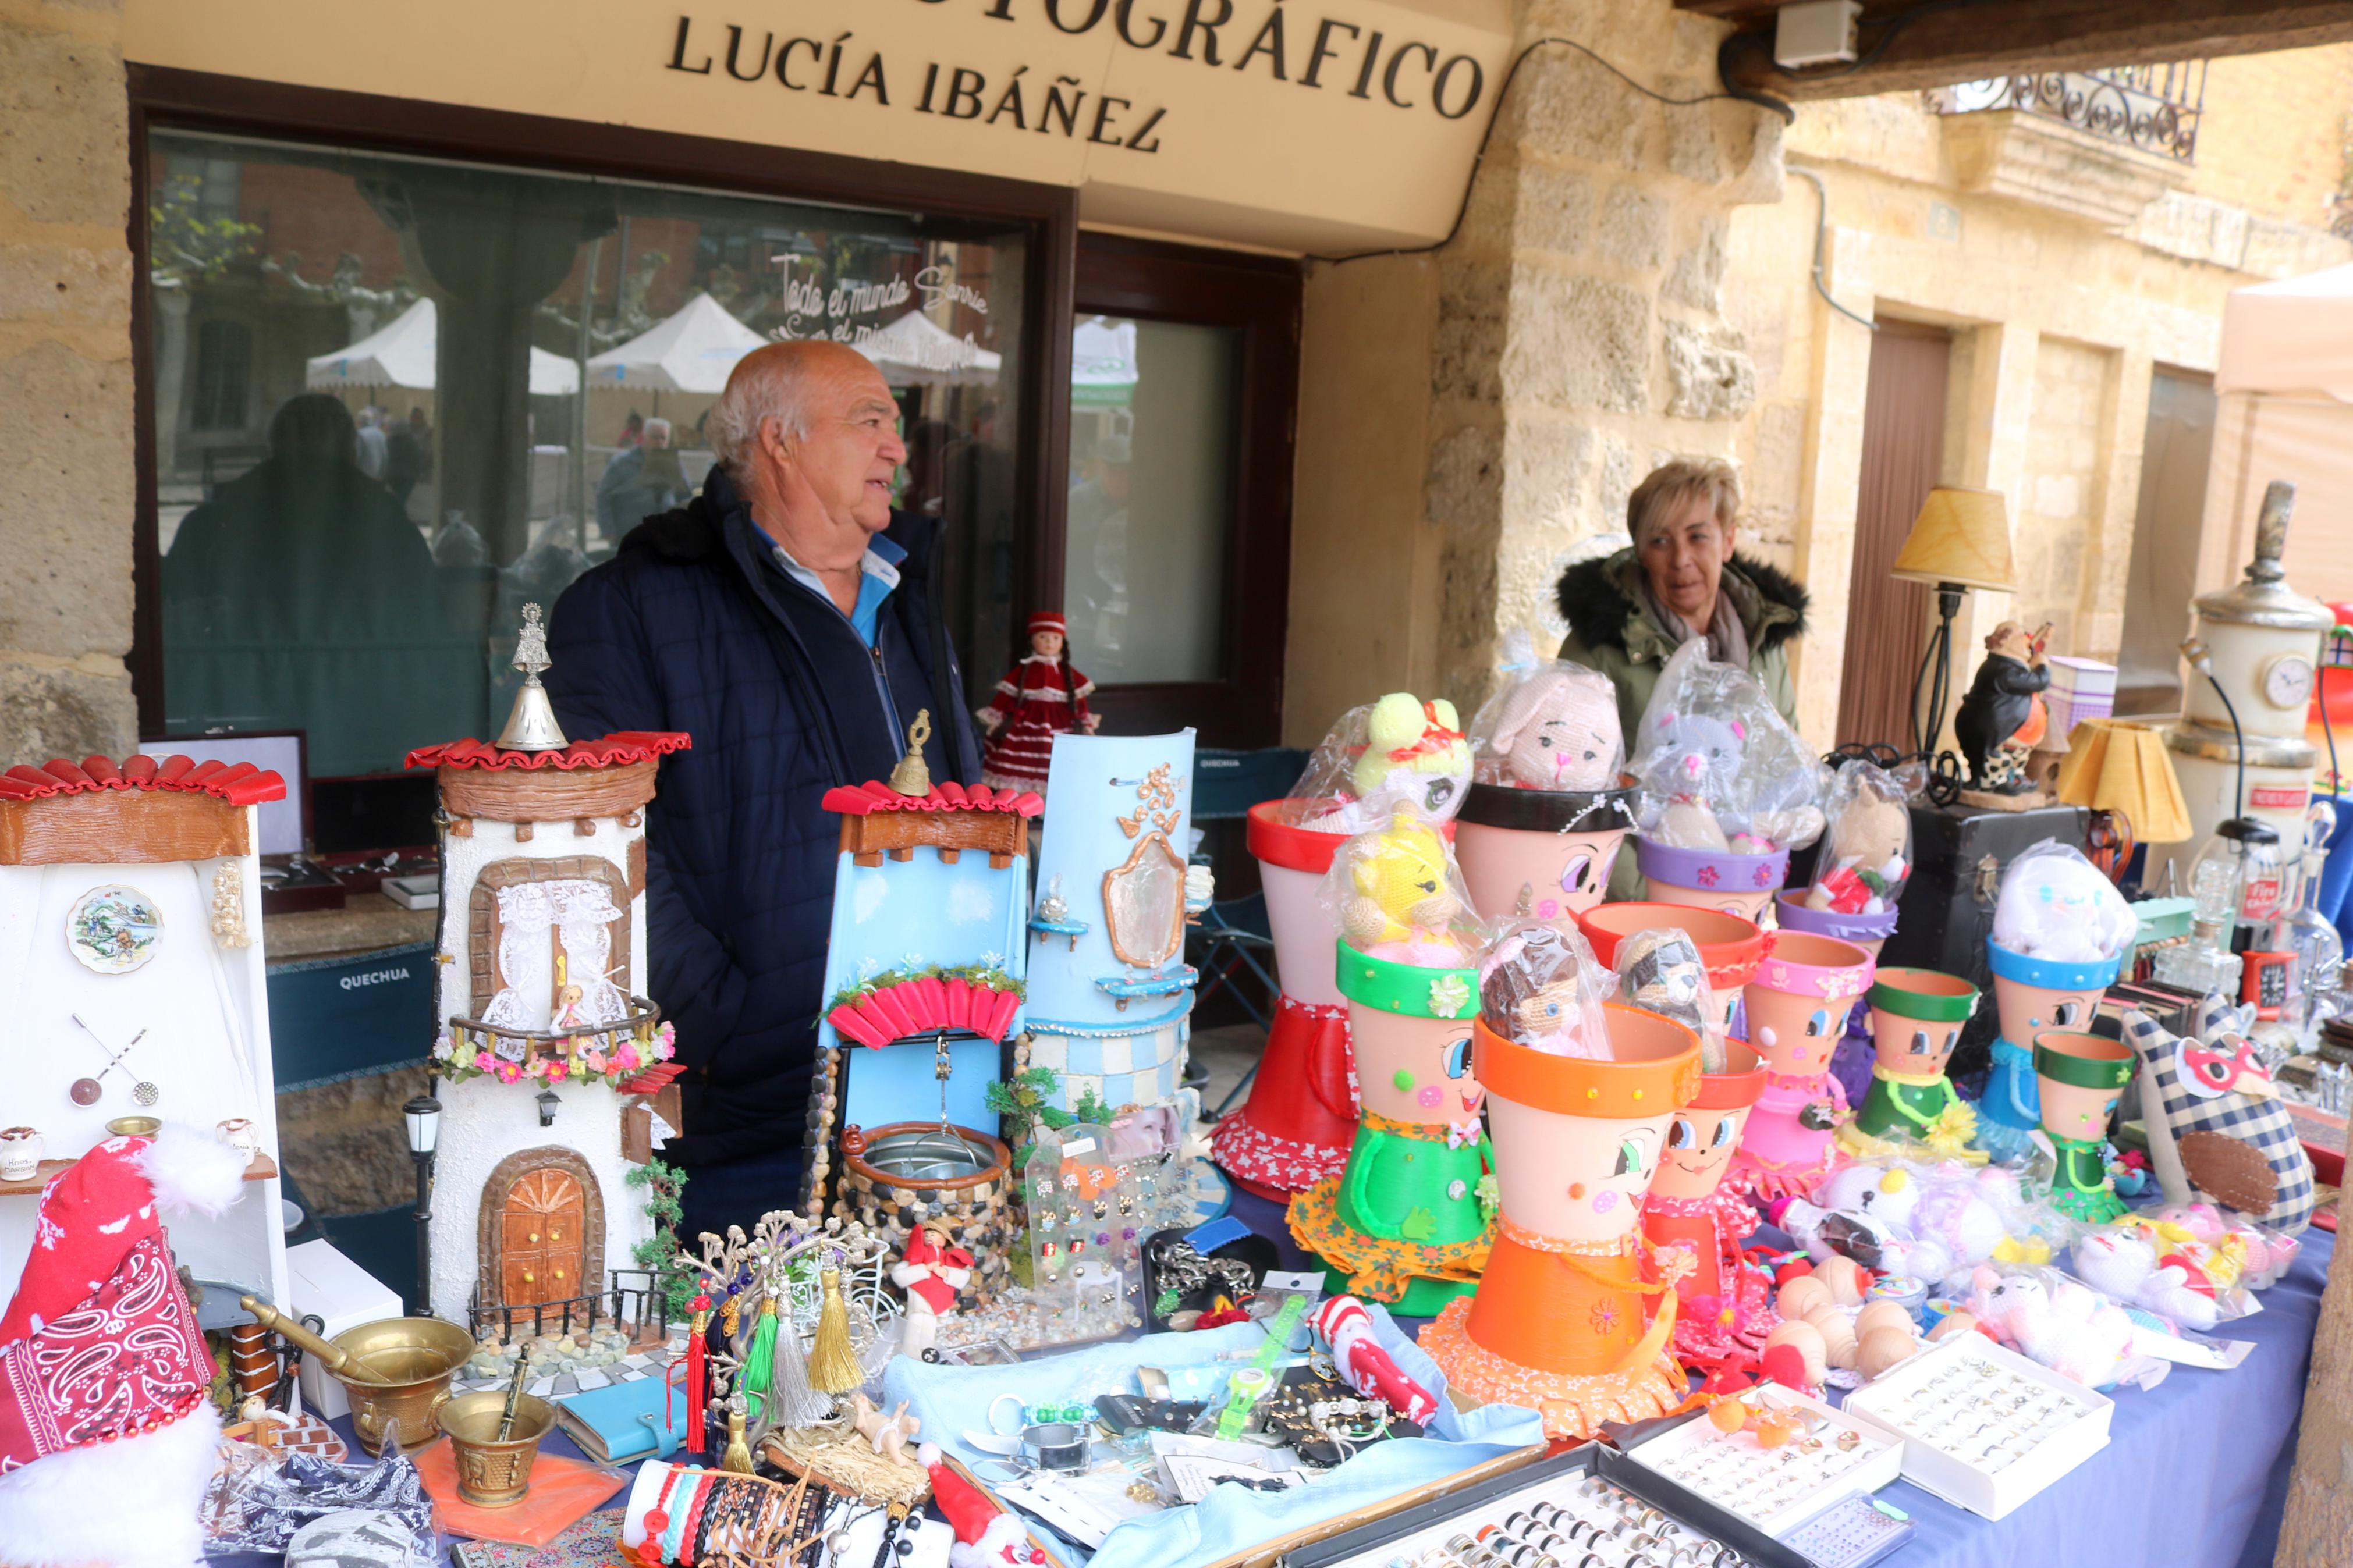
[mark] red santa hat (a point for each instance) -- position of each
(986, 1536)
(1049, 621)
(101, 1362)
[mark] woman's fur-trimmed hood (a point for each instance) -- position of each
(1597, 598)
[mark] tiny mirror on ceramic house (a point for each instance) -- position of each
(1144, 904)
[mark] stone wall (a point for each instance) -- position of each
(65, 382)
(2273, 138)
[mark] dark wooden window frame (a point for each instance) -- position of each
(1118, 275)
(162, 97)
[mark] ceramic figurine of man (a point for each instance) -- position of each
(2002, 718)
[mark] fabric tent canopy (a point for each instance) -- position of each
(2285, 380)
(692, 349)
(1103, 362)
(401, 353)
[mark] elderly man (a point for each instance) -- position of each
(640, 480)
(785, 619)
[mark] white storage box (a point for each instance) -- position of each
(2081, 688)
(1979, 1367)
(324, 1281)
(1876, 1458)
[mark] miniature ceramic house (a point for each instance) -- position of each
(1111, 996)
(556, 1058)
(922, 975)
(130, 896)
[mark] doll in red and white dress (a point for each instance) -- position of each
(1038, 699)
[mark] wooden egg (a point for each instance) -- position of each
(1953, 1323)
(1883, 1348)
(1882, 1315)
(1801, 1296)
(1843, 1275)
(1806, 1341)
(1837, 1334)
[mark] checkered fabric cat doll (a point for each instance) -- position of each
(2215, 1122)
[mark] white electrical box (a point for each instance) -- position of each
(323, 1281)
(1818, 33)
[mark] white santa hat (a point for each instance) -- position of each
(106, 1430)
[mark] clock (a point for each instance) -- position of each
(2286, 681)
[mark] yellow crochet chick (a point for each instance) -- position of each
(1405, 903)
(1414, 754)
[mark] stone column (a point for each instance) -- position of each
(65, 382)
(1580, 337)
(2318, 1531)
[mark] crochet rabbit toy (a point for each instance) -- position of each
(1405, 903)
(2070, 1330)
(1558, 730)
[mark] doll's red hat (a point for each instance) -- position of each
(1049, 621)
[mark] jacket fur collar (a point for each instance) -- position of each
(1598, 600)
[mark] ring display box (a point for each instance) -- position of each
(1778, 1489)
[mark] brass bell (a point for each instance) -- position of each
(911, 777)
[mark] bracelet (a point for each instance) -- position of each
(694, 1514)
(658, 1517)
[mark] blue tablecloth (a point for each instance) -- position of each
(2195, 1472)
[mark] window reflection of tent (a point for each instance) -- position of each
(692, 349)
(401, 353)
(1103, 362)
(914, 350)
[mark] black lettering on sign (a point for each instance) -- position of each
(833, 67)
(1269, 42)
(816, 53)
(1194, 23)
(1103, 116)
(1470, 99)
(1388, 77)
(1095, 9)
(1324, 50)
(678, 53)
(1123, 19)
(871, 77)
(735, 43)
(1136, 143)
(1001, 9)
(965, 87)
(1364, 77)
(930, 80)
(1010, 101)
(1057, 105)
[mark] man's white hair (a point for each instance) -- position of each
(764, 387)
(658, 426)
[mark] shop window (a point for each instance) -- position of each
(2167, 523)
(461, 386)
(1175, 566)
(224, 366)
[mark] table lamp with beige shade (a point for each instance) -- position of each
(1961, 540)
(2123, 772)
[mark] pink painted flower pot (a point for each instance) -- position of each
(1797, 1004)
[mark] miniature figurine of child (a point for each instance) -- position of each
(1038, 699)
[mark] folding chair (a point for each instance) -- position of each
(1232, 938)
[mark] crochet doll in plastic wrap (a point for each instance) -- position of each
(1401, 751)
(1040, 698)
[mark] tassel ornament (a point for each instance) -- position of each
(698, 1355)
(833, 1361)
(760, 1359)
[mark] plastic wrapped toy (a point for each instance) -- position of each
(1867, 856)
(1394, 893)
(1661, 970)
(1400, 750)
(1720, 768)
(2051, 1319)
(1540, 986)
(2126, 1263)
(1550, 726)
(2057, 907)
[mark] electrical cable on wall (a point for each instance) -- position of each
(1821, 228)
(1730, 95)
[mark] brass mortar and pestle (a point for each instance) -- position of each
(396, 1371)
(493, 1439)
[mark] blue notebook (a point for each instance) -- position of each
(625, 1422)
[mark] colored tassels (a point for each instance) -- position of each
(760, 1359)
(697, 1370)
(833, 1361)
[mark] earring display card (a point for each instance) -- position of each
(1839, 1455)
(1855, 1534)
(1984, 1427)
(1084, 1246)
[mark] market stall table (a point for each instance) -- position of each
(2196, 1471)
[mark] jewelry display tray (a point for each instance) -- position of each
(1410, 1532)
(1868, 1472)
(1991, 1493)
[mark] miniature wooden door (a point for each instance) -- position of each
(545, 1228)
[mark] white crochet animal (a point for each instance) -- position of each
(2070, 1330)
(2124, 1267)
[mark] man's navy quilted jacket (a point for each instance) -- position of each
(694, 626)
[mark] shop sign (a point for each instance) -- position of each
(1330, 54)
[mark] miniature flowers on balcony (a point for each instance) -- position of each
(614, 1054)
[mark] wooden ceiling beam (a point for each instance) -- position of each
(2003, 37)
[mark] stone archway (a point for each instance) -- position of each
(542, 1230)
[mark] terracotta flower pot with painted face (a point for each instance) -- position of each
(1797, 1004)
(1406, 1220)
(2032, 995)
(1727, 1308)
(2079, 1077)
(1730, 947)
(1739, 885)
(1916, 1016)
(1295, 1128)
(1543, 853)
(1568, 1321)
